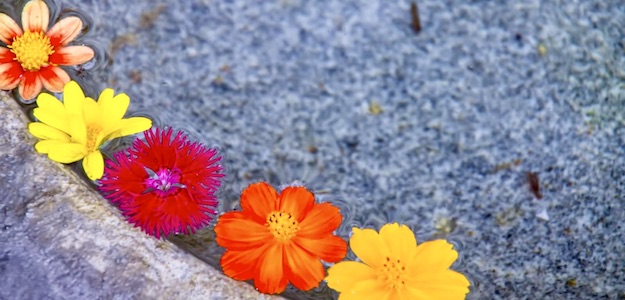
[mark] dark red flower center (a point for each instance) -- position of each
(163, 182)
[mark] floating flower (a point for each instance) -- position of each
(33, 55)
(393, 267)
(164, 185)
(279, 238)
(76, 128)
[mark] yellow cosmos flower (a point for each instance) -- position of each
(76, 128)
(393, 267)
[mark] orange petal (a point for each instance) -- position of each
(269, 273)
(321, 220)
(65, 31)
(236, 232)
(296, 201)
(331, 248)
(8, 29)
(10, 75)
(303, 270)
(72, 55)
(35, 16)
(30, 86)
(54, 78)
(240, 265)
(6, 55)
(258, 200)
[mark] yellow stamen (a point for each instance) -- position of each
(393, 273)
(282, 225)
(93, 137)
(32, 50)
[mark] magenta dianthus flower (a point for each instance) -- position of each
(164, 184)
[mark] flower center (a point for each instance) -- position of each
(163, 182)
(282, 225)
(32, 50)
(93, 135)
(393, 273)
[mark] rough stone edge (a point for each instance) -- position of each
(170, 272)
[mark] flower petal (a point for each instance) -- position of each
(269, 273)
(368, 289)
(54, 78)
(72, 55)
(74, 101)
(303, 270)
(51, 112)
(235, 232)
(344, 275)
(400, 241)
(93, 164)
(369, 247)
(35, 16)
(129, 126)
(67, 153)
(258, 200)
(46, 132)
(240, 265)
(331, 248)
(445, 284)
(296, 201)
(434, 255)
(30, 85)
(65, 30)
(10, 75)
(8, 29)
(113, 108)
(6, 55)
(44, 146)
(321, 220)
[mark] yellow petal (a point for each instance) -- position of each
(445, 284)
(67, 153)
(369, 247)
(92, 112)
(46, 132)
(113, 108)
(344, 275)
(93, 164)
(44, 146)
(66, 30)
(35, 16)
(8, 29)
(433, 256)
(73, 98)
(51, 112)
(400, 240)
(373, 289)
(134, 125)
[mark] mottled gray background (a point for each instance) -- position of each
(488, 91)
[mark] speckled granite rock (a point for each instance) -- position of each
(60, 240)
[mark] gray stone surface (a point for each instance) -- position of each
(60, 240)
(285, 86)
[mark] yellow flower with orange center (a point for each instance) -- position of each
(393, 267)
(33, 55)
(76, 128)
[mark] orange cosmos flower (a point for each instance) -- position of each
(279, 238)
(32, 57)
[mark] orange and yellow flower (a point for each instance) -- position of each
(33, 55)
(393, 267)
(279, 238)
